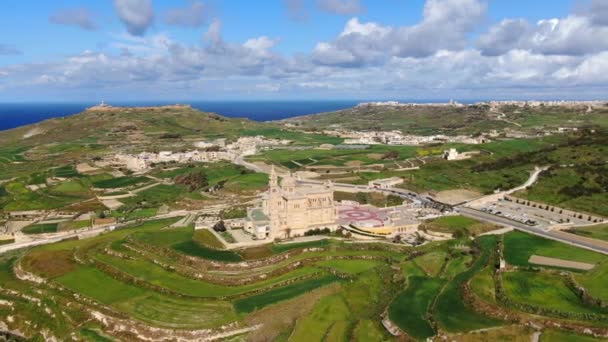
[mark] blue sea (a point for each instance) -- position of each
(18, 114)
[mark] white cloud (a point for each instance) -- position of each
(436, 57)
(445, 25)
(214, 32)
(572, 35)
(598, 12)
(137, 15)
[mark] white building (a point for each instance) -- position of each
(451, 154)
(385, 183)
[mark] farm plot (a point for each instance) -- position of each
(259, 301)
(120, 182)
(450, 310)
(519, 247)
(40, 228)
(544, 290)
(409, 309)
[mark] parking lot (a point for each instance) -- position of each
(537, 217)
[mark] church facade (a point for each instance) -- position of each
(289, 209)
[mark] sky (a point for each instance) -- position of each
(130, 50)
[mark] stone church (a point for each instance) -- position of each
(289, 209)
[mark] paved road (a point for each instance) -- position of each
(571, 239)
(390, 191)
(558, 236)
(240, 160)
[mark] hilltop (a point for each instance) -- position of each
(115, 124)
(453, 118)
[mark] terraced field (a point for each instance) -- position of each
(150, 280)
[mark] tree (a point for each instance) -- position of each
(220, 226)
(390, 155)
(194, 180)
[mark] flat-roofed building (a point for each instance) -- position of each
(385, 183)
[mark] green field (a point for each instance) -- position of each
(57, 196)
(200, 243)
(6, 242)
(544, 290)
(409, 309)
(193, 249)
(318, 324)
(160, 194)
(519, 247)
(256, 302)
(350, 266)
(450, 311)
(120, 182)
(595, 232)
(595, 281)
(560, 336)
(482, 285)
(206, 238)
(280, 248)
(67, 171)
(458, 226)
(456, 265)
(432, 262)
(40, 228)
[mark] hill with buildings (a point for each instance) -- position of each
(454, 118)
(164, 223)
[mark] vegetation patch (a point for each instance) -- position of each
(49, 264)
(6, 242)
(194, 249)
(157, 195)
(40, 228)
(458, 226)
(595, 281)
(562, 336)
(349, 266)
(256, 302)
(374, 198)
(206, 238)
(450, 310)
(432, 262)
(67, 171)
(409, 309)
(544, 290)
(120, 182)
(284, 247)
(519, 247)
(319, 324)
(482, 285)
(599, 232)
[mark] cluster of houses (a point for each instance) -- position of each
(451, 103)
(211, 151)
(533, 103)
(398, 138)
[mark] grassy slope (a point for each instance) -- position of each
(520, 246)
(543, 290)
(451, 120)
(409, 309)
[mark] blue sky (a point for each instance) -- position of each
(281, 49)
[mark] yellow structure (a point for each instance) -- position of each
(291, 210)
